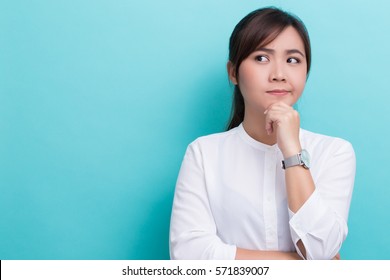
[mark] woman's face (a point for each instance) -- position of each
(275, 72)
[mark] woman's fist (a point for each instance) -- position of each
(283, 120)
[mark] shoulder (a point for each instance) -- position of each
(310, 138)
(215, 139)
(324, 147)
(212, 145)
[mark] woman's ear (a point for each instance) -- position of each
(231, 69)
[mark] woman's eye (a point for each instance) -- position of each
(262, 58)
(293, 60)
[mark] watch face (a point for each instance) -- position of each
(305, 158)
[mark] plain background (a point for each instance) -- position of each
(99, 100)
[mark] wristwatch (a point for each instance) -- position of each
(303, 159)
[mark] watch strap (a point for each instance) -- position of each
(292, 161)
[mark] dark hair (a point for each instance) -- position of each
(258, 29)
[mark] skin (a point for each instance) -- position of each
(271, 80)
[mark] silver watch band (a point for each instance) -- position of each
(291, 161)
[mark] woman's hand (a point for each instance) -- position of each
(283, 120)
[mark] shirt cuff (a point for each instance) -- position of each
(306, 219)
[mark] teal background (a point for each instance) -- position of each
(99, 99)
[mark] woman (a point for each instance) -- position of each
(264, 189)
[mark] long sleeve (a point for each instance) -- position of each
(193, 233)
(321, 223)
(231, 193)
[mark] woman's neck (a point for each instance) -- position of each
(254, 125)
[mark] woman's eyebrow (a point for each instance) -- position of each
(265, 50)
(293, 51)
(272, 51)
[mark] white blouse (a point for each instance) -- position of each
(231, 193)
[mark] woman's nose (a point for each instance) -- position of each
(277, 73)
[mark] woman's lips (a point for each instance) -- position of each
(278, 92)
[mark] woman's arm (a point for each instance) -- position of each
(284, 121)
(318, 211)
(300, 186)
(193, 233)
(244, 254)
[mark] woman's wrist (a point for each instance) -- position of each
(291, 150)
